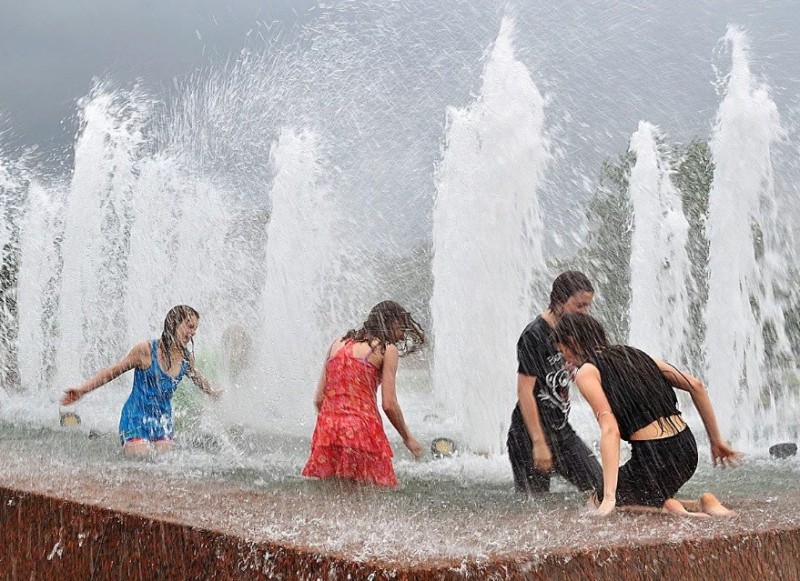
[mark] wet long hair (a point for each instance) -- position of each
(582, 333)
(380, 326)
(175, 317)
(587, 339)
(566, 285)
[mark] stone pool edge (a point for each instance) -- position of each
(47, 537)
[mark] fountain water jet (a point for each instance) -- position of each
(91, 323)
(471, 514)
(743, 250)
(38, 298)
(301, 252)
(487, 240)
(659, 261)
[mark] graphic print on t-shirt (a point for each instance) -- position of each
(555, 392)
(539, 358)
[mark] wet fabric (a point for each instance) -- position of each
(349, 441)
(538, 357)
(635, 387)
(572, 458)
(147, 413)
(656, 470)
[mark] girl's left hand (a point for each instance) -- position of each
(724, 456)
(215, 394)
(413, 447)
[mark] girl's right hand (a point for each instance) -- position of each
(413, 447)
(542, 457)
(71, 395)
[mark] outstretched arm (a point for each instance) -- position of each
(139, 357)
(391, 407)
(590, 385)
(199, 380)
(721, 452)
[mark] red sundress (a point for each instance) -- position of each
(349, 441)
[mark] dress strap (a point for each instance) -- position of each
(154, 352)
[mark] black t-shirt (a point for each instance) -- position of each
(538, 357)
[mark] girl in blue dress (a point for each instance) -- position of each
(146, 422)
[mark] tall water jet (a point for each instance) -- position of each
(660, 270)
(742, 250)
(12, 190)
(487, 240)
(41, 231)
(177, 234)
(91, 320)
(301, 253)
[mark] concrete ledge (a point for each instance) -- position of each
(44, 537)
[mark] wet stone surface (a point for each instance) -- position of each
(72, 514)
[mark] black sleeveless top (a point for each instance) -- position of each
(637, 391)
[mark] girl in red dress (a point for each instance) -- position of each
(349, 442)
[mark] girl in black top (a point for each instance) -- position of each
(540, 438)
(632, 397)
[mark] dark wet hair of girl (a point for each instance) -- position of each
(175, 317)
(567, 284)
(582, 333)
(380, 325)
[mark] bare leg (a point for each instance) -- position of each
(137, 449)
(713, 507)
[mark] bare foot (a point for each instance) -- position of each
(674, 507)
(713, 507)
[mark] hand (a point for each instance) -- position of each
(413, 447)
(215, 394)
(606, 507)
(71, 395)
(724, 456)
(542, 457)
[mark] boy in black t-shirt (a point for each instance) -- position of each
(540, 439)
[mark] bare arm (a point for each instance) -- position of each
(391, 406)
(199, 380)
(590, 386)
(721, 452)
(139, 357)
(542, 457)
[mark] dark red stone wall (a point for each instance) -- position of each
(46, 538)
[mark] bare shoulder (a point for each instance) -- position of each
(335, 346)
(391, 354)
(139, 355)
(587, 372)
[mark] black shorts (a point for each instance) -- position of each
(657, 470)
(572, 458)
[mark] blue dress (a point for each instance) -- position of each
(147, 414)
